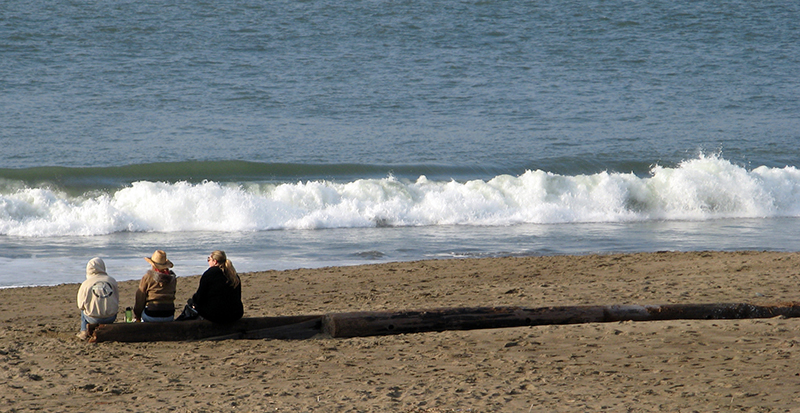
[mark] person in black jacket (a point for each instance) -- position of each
(219, 295)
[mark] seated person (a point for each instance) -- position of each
(98, 297)
(219, 295)
(155, 298)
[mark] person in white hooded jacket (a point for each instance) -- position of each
(98, 297)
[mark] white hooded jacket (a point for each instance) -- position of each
(98, 296)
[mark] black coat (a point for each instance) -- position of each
(216, 300)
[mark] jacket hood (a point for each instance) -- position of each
(95, 267)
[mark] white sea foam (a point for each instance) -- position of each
(707, 187)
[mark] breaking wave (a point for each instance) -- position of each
(704, 188)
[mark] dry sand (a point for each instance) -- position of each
(670, 366)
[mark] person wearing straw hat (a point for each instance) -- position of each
(155, 298)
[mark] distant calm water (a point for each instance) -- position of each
(312, 133)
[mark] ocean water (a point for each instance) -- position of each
(313, 133)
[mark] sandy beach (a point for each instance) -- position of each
(669, 366)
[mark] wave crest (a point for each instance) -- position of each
(707, 187)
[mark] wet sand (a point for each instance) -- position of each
(670, 366)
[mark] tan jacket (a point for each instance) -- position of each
(156, 292)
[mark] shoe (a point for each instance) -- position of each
(82, 335)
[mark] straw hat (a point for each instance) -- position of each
(159, 260)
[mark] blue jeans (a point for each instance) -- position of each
(86, 320)
(147, 319)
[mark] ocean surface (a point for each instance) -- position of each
(315, 133)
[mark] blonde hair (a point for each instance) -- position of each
(226, 266)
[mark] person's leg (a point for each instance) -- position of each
(107, 320)
(147, 319)
(86, 320)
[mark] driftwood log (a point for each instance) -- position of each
(362, 324)
(290, 327)
(375, 323)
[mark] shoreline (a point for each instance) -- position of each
(742, 365)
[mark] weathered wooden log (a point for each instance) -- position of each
(363, 324)
(289, 327)
(294, 331)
